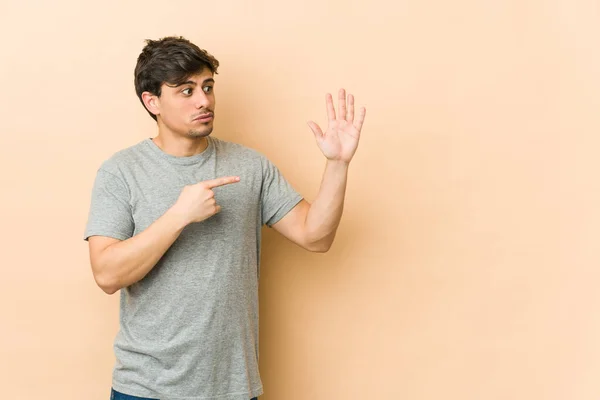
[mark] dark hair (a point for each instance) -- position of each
(170, 60)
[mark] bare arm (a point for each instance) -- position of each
(313, 226)
(117, 264)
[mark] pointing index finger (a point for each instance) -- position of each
(213, 183)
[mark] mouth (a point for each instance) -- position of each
(203, 118)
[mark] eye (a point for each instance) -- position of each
(207, 89)
(187, 91)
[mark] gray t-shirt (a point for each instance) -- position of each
(189, 329)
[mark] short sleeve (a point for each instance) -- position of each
(110, 212)
(278, 197)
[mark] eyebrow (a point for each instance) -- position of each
(208, 80)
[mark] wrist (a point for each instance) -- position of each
(338, 163)
(177, 217)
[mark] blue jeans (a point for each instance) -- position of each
(114, 395)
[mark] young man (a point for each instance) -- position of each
(175, 224)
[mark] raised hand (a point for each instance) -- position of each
(340, 140)
(197, 202)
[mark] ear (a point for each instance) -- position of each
(152, 102)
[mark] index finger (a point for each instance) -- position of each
(330, 108)
(221, 181)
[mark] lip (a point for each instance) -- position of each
(204, 118)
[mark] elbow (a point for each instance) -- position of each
(105, 282)
(320, 249)
(105, 268)
(107, 287)
(321, 246)
(110, 290)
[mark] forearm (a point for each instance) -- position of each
(325, 212)
(126, 262)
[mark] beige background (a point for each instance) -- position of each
(466, 265)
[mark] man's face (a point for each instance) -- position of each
(188, 109)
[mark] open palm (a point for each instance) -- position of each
(340, 140)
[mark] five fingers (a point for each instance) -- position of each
(345, 109)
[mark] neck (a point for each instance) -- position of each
(180, 146)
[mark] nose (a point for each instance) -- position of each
(201, 99)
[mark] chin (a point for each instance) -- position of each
(193, 133)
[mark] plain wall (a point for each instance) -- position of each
(466, 264)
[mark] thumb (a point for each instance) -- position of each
(316, 130)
